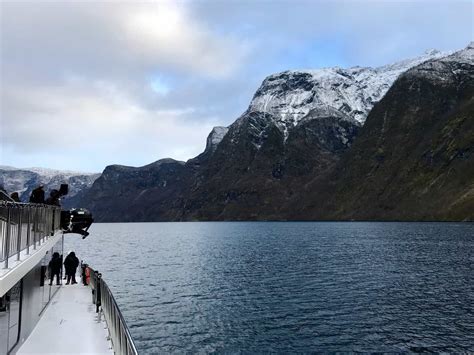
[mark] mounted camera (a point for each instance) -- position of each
(76, 220)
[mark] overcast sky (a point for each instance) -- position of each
(87, 84)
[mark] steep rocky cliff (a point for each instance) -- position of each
(124, 193)
(414, 157)
(296, 152)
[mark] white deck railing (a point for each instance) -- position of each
(24, 226)
(104, 300)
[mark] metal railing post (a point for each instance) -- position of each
(98, 291)
(38, 226)
(38, 218)
(43, 225)
(48, 223)
(28, 229)
(19, 232)
(119, 335)
(7, 239)
(51, 221)
(35, 226)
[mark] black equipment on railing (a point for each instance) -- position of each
(105, 303)
(76, 221)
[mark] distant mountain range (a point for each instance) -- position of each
(25, 180)
(387, 143)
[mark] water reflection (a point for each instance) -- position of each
(10, 318)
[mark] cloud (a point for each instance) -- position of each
(87, 84)
(369, 32)
(98, 121)
(169, 33)
(115, 39)
(82, 76)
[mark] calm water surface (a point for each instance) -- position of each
(289, 287)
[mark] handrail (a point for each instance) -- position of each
(25, 225)
(104, 300)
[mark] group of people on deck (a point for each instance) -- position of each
(37, 196)
(70, 265)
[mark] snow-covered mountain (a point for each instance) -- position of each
(25, 180)
(286, 156)
(289, 96)
(452, 64)
(414, 157)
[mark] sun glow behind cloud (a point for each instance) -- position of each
(96, 97)
(165, 30)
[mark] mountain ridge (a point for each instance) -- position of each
(258, 169)
(293, 153)
(24, 180)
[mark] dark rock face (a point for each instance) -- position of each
(318, 141)
(292, 81)
(254, 170)
(247, 176)
(412, 159)
(152, 192)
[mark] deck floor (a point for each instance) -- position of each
(69, 325)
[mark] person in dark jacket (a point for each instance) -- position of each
(15, 197)
(55, 268)
(37, 195)
(53, 198)
(70, 264)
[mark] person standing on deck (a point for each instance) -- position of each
(37, 195)
(15, 197)
(55, 268)
(70, 264)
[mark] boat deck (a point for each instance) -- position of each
(69, 325)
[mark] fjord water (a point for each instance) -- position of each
(289, 287)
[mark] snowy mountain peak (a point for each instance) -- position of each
(215, 137)
(289, 96)
(46, 172)
(444, 70)
(465, 55)
(432, 52)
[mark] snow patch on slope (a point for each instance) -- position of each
(25, 180)
(446, 69)
(289, 96)
(215, 137)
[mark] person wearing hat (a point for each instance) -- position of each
(53, 198)
(37, 195)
